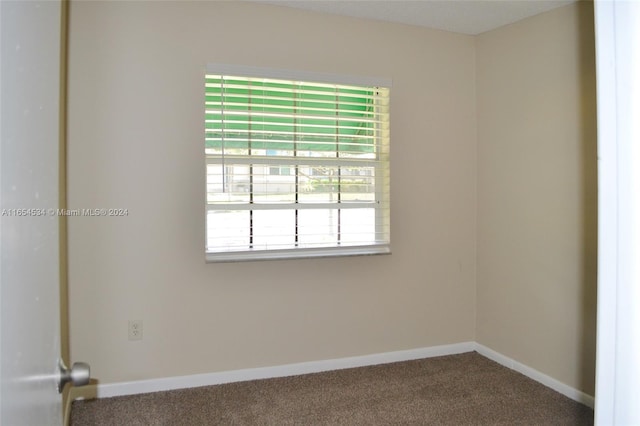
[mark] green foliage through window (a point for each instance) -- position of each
(267, 114)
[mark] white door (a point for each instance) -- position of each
(618, 348)
(29, 231)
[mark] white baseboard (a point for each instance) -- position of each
(207, 379)
(536, 375)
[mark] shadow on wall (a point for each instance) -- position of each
(589, 196)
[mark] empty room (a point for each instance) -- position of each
(253, 193)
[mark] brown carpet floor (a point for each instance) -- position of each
(465, 389)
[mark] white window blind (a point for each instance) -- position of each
(295, 168)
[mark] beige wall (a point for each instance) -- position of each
(537, 193)
(136, 141)
(498, 129)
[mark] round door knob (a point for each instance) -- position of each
(79, 374)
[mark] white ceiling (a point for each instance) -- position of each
(461, 16)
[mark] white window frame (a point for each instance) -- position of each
(382, 182)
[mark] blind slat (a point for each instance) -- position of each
(293, 161)
(290, 206)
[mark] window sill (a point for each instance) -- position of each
(243, 256)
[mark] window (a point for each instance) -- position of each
(295, 167)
